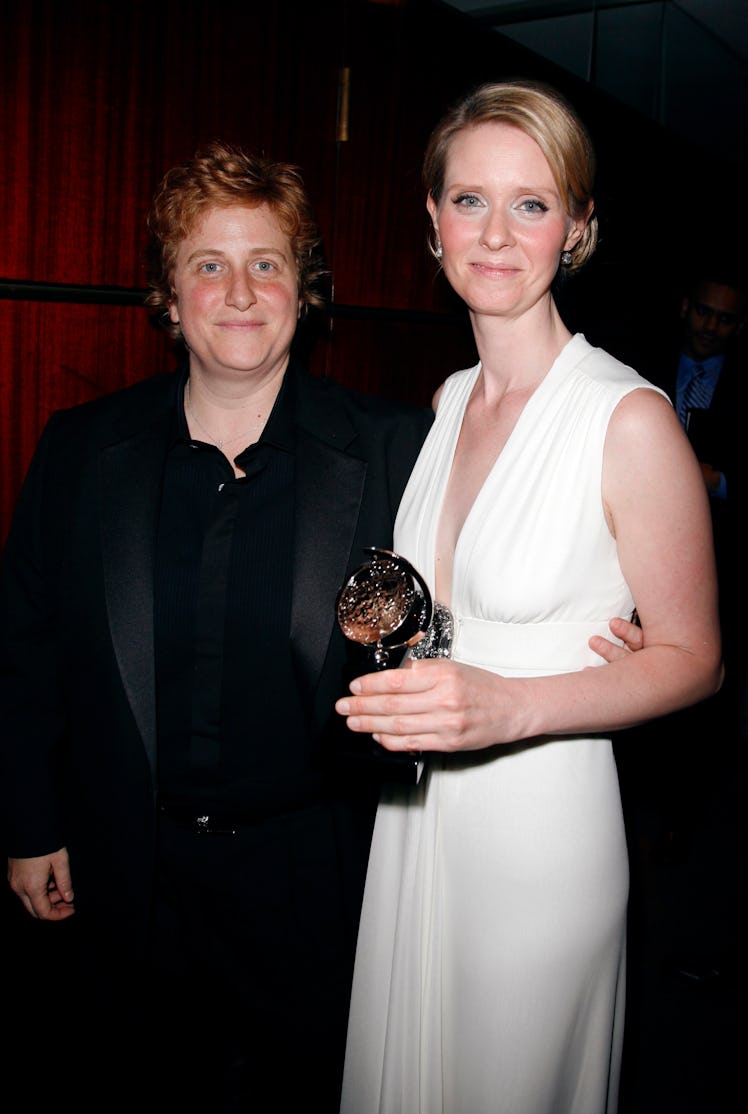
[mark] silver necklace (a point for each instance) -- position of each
(219, 442)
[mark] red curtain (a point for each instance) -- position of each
(98, 100)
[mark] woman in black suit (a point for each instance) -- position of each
(169, 662)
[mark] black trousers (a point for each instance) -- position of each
(242, 1005)
(251, 965)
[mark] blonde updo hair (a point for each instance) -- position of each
(221, 175)
(541, 112)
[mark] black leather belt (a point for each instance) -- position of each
(202, 823)
(194, 819)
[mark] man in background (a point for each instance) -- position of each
(709, 388)
(684, 777)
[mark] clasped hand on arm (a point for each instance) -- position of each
(442, 705)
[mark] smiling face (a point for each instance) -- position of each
(236, 293)
(712, 316)
(500, 220)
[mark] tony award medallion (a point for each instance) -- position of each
(386, 605)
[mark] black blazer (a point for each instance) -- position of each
(77, 684)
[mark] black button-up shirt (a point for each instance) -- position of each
(232, 733)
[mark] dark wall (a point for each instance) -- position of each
(98, 99)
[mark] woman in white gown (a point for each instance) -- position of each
(556, 488)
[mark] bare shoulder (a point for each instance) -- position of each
(645, 400)
(649, 467)
(646, 419)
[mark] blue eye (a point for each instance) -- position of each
(534, 206)
(264, 266)
(468, 200)
(210, 268)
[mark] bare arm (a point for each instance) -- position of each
(657, 509)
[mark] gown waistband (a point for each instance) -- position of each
(535, 647)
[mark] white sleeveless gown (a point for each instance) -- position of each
(491, 955)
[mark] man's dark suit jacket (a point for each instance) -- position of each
(76, 614)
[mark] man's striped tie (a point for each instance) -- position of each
(696, 394)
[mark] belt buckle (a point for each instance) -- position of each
(205, 825)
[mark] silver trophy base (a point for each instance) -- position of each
(438, 638)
